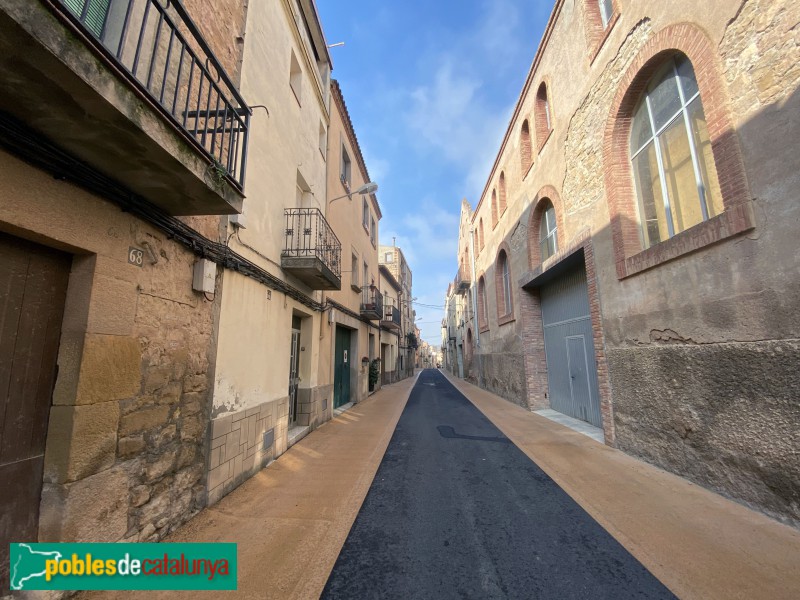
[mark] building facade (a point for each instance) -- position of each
(115, 171)
(267, 380)
(393, 259)
(634, 247)
(164, 337)
(351, 332)
(391, 326)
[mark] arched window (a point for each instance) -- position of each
(483, 314)
(671, 157)
(502, 197)
(468, 349)
(544, 117)
(503, 281)
(525, 147)
(480, 234)
(548, 231)
(494, 209)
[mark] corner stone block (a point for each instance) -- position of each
(94, 509)
(111, 369)
(81, 441)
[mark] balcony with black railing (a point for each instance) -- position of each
(391, 317)
(311, 250)
(132, 88)
(371, 303)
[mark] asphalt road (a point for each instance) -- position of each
(457, 511)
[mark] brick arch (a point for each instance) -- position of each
(503, 317)
(691, 41)
(593, 24)
(543, 105)
(525, 153)
(547, 192)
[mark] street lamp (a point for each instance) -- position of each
(368, 188)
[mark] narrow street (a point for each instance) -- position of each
(458, 511)
(434, 488)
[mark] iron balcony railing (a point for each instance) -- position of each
(308, 235)
(371, 301)
(391, 314)
(162, 53)
(463, 278)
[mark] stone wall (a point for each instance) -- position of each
(723, 415)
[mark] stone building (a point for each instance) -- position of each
(635, 244)
(393, 259)
(115, 171)
(351, 331)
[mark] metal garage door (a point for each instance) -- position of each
(569, 347)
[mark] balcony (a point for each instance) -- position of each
(131, 88)
(311, 251)
(391, 318)
(371, 303)
(462, 280)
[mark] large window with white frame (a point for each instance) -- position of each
(548, 231)
(671, 156)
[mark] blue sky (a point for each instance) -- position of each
(430, 87)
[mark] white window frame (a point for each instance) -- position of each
(654, 139)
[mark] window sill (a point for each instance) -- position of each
(483, 328)
(505, 319)
(602, 40)
(528, 170)
(733, 221)
(544, 143)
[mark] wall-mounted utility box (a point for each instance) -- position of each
(205, 274)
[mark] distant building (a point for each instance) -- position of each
(393, 259)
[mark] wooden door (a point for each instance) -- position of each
(33, 286)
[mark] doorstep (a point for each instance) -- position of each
(342, 408)
(575, 424)
(295, 434)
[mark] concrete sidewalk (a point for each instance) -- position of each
(291, 519)
(699, 544)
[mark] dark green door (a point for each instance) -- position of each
(341, 368)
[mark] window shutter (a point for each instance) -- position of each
(92, 13)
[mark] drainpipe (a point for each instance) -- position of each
(474, 295)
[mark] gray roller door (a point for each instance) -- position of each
(569, 347)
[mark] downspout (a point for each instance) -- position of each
(474, 296)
